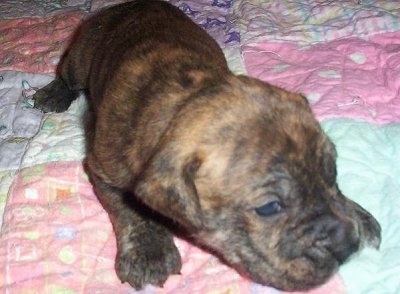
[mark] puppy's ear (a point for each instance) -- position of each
(368, 227)
(167, 186)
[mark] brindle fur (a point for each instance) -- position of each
(173, 129)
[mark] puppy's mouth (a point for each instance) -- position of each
(300, 263)
(326, 250)
(311, 262)
(309, 270)
(302, 273)
(296, 258)
(318, 254)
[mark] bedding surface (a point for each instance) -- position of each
(344, 56)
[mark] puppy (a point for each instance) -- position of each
(242, 165)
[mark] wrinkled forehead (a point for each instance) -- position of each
(247, 123)
(290, 138)
(260, 154)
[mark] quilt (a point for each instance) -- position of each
(344, 56)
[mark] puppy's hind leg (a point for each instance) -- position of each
(146, 250)
(55, 97)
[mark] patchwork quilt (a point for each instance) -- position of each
(344, 56)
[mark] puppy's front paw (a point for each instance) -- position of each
(151, 263)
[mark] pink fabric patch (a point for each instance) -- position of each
(56, 238)
(36, 44)
(352, 77)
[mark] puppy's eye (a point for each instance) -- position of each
(269, 209)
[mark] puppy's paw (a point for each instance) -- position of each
(55, 97)
(147, 263)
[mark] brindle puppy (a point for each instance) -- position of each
(242, 165)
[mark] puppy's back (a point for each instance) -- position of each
(108, 38)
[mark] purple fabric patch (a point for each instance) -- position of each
(215, 16)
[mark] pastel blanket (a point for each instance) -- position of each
(344, 56)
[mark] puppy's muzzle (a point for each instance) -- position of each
(332, 236)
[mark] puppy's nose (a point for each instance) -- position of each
(337, 236)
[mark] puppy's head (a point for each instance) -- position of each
(246, 168)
